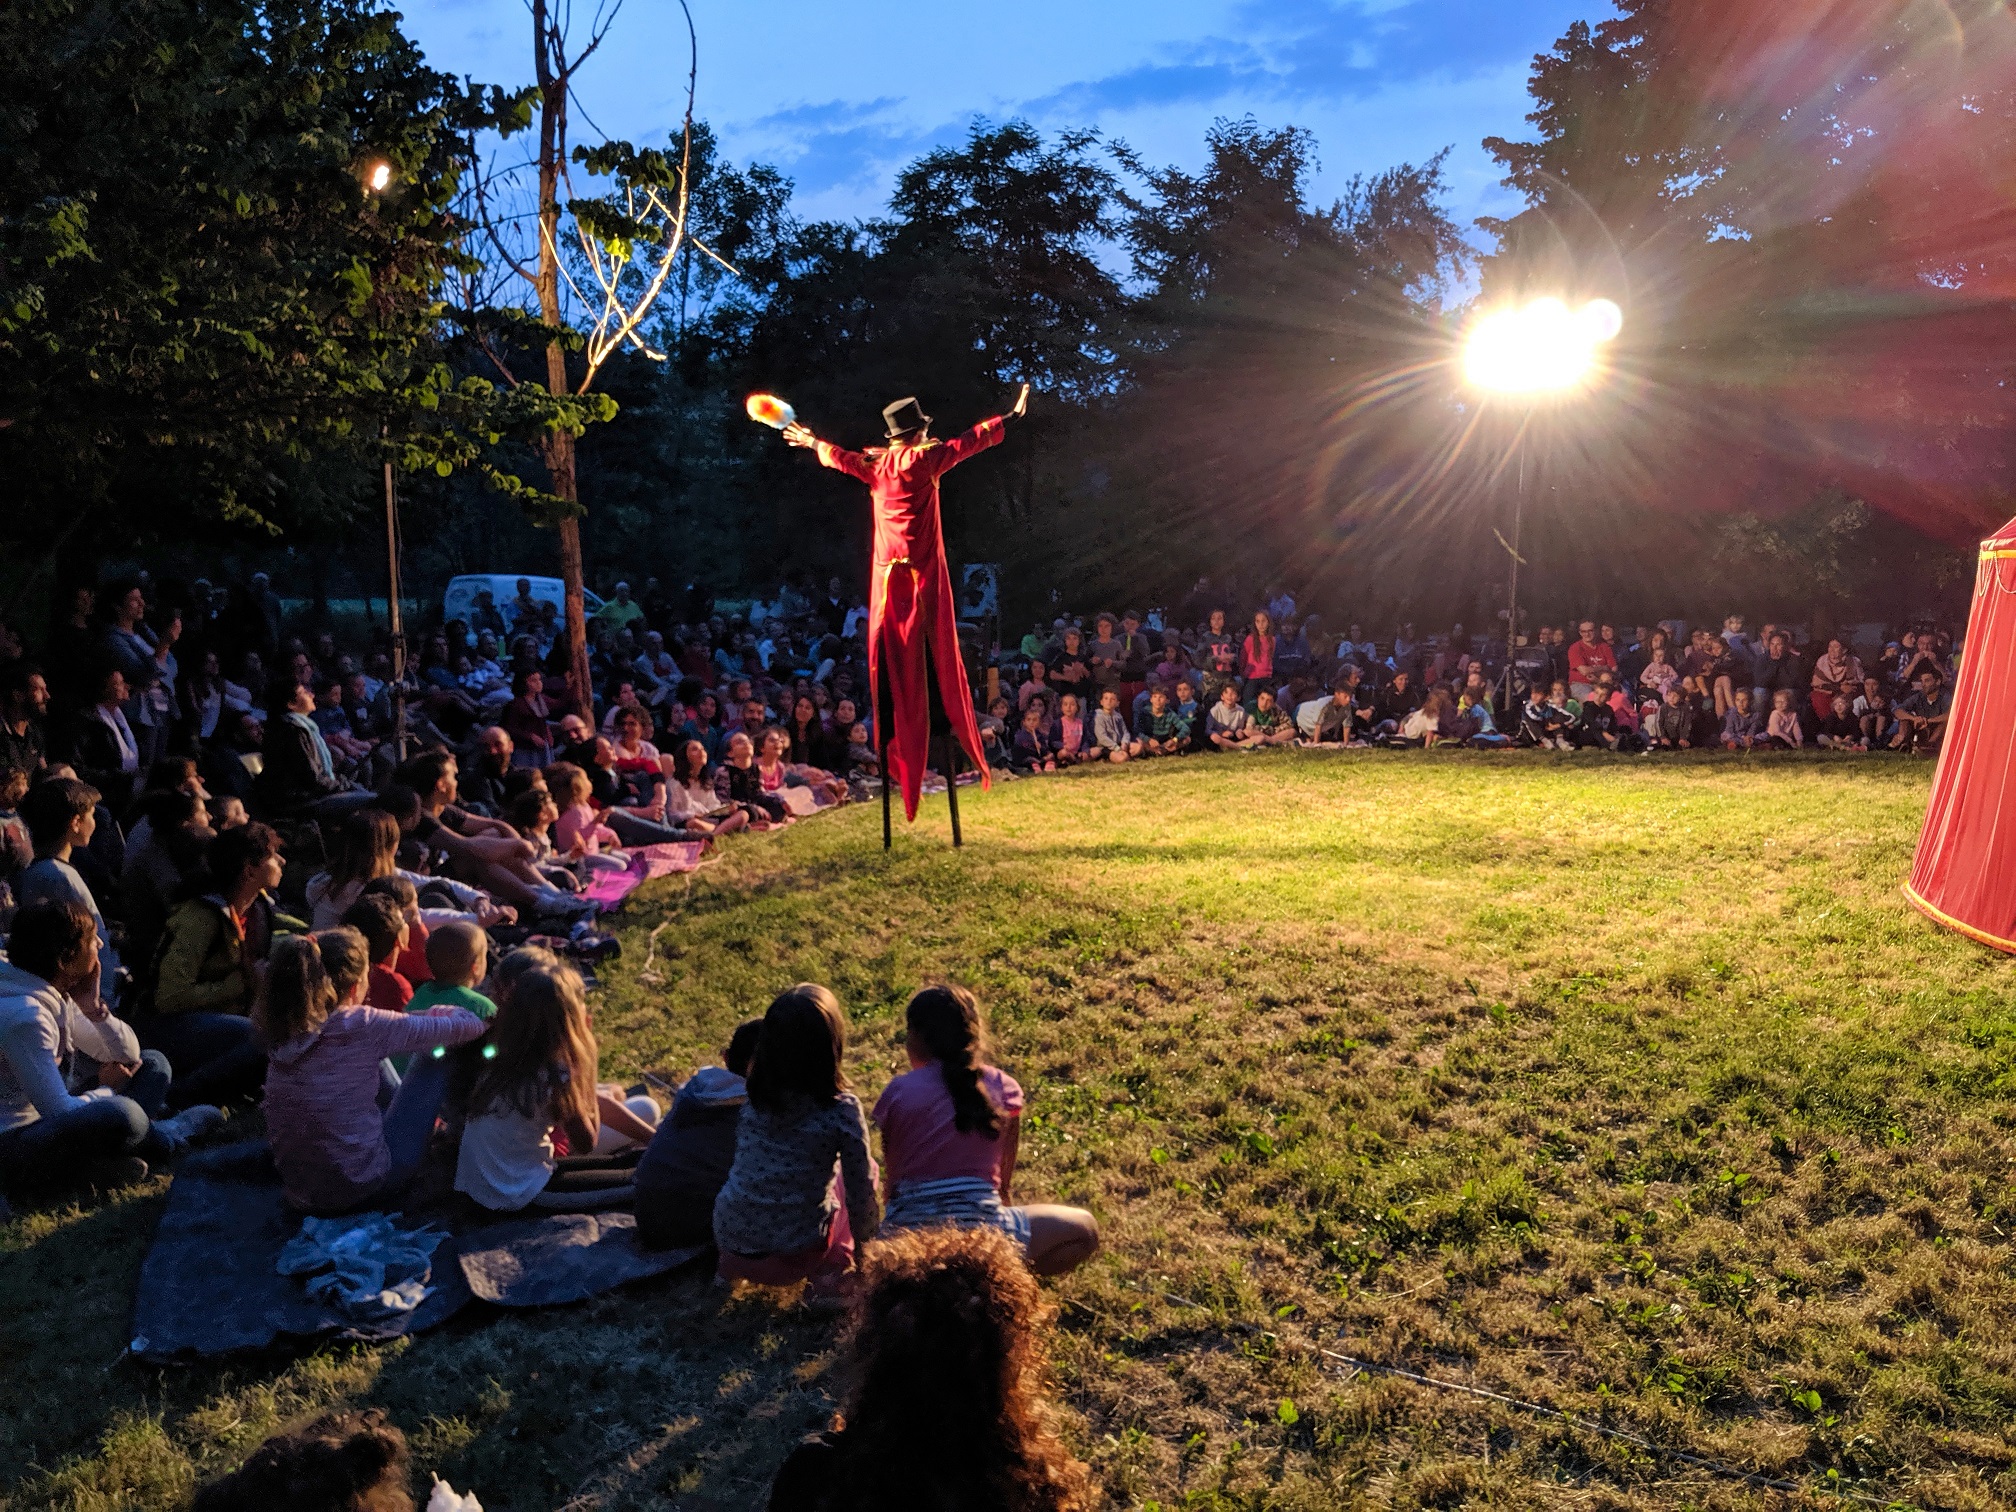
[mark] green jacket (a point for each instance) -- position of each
(199, 966)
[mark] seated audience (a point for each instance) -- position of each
(951, 1131)
(80, 1101)
(541, 1078)
(689, 1158)
(336, 1148)
(1743, 726)
(1782, 730)
(801, 1193)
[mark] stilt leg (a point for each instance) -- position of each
(952, 787)
(885, 792)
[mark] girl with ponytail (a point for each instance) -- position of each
(951, 1131)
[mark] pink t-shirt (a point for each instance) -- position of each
(920, 1139)
(579, 823)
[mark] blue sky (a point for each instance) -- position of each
(840, 96)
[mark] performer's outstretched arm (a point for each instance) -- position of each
(987, 433)
(838, 458)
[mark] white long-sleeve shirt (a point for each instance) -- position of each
(41, 1030)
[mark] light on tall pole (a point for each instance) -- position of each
(377, 178)
(1524, 354)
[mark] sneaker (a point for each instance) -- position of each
(112, 1172)
(188, 1126)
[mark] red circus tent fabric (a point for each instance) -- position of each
(1965, 873)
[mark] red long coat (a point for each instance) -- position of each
(910, 600)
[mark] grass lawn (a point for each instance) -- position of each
(1628, 1087)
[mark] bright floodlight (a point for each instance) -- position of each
(380, 175)
(1540, 348)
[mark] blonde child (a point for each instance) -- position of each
(458, 958)
(579, 834)
(1782, 729)
(542, 1078)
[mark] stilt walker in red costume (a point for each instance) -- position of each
(916, 674)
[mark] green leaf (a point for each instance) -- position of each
(1286, 1414)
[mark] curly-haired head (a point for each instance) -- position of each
(342, 1462)
(945, 1360)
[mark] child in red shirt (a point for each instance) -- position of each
(383, 924)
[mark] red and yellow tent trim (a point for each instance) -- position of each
(1937, 916)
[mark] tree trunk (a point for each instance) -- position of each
(559, 448)
(560, 463)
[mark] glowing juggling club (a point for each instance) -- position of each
(768, 409)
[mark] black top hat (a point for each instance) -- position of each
(904, 416)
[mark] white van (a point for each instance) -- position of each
(460, 597)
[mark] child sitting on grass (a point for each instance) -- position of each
(994, 734)
(579, 835)
(1742, 726)
(1032, 752)
(688, 1159)
(1782, 729)
(335, 1149)
(739, 782)
(378, 920)
(951, 1130)
(1271, 724)
(458, 958)
(1072, 738)
(781, 1218)
(542, 1077)
(1231, 727)
(533, 814)
(1162, 733)
(1190, 714)
(1111, 739)
(1841, 730)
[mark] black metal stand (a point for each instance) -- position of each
(885, 783)
(952, 787)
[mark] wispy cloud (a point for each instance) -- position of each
(1311, 50)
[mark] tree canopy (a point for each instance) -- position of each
(208, 314)
(208, 317)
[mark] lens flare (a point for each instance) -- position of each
(768, 409)
(1538, 348)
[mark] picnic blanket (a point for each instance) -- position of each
(610, 888)
(211, 1283)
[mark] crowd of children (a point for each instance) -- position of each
(1128, 690)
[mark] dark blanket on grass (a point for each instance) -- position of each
(209, 1285)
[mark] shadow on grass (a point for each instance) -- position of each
(68, 1273)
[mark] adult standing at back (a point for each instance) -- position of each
(131, 648)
